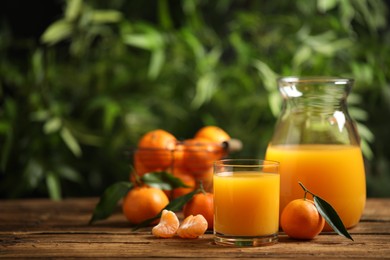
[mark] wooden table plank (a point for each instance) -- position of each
(43, 228)
(98, 245)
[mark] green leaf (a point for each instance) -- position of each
(109, 200)
(366, 150)
(68, 173)
(34, 173)
(267, 75)
(111, 112)
(331, 217)
(162, 180)
(52, 125)
(178, 203)
(326, 5)
(358, 114)
(73, 9)
(71, 141)
(164, 14)
(56, 32)
(156, 63)
(53, 185)
(275, 102)
(365, 132)
(205, 89)
(106, 16)
(302, 55)
(175, 205)
(194, 44)
(40, 115)
(37, 66)
(138, 40)
(150, 39)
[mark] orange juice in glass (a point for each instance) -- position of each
(246, 202)
(317, 143)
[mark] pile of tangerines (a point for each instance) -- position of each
(191, 161)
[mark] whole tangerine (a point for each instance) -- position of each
(300, 219)
(187, 179)
(206, 179)
(199, 154)
(142, 203)
(178, 153)
(203, 204)
(155, 149)
(139, 167)
(212, 133)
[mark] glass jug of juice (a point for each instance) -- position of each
(317, 143)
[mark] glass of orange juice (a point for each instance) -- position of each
(246, 202)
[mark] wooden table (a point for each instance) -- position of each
(46, 229)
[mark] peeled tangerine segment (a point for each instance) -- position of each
(192, 227)
(168, 225)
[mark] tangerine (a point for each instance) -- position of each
(178, 157)
(192, 227)
(187, 179)
(300, 219)
(139, 166)
(155, 149)
(213, 134)
(168, 225)
(203, 204)
(206, 178)
(199, 154)
(142, 203)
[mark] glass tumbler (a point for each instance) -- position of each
(246, 202)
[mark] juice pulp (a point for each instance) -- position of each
(333, 172)
(246, 203)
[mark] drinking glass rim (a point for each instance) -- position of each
(244, 162)
(316, 79)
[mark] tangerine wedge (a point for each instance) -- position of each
(168, 225)
(192, 227)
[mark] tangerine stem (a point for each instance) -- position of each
(306, 190)
(201, 188)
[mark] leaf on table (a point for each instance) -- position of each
(331, 217)
(109, 200)
(163, 180)
(175, 205)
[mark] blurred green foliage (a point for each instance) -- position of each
(73, 105)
